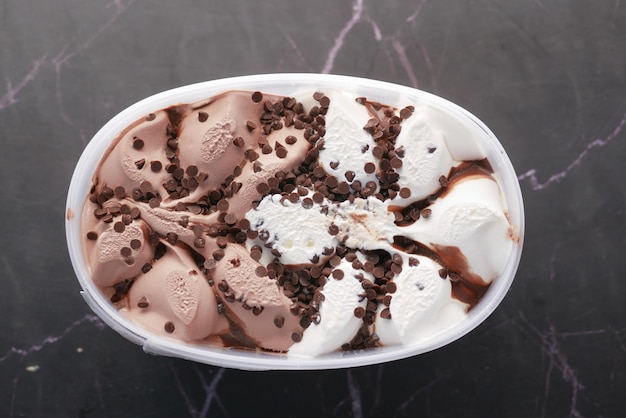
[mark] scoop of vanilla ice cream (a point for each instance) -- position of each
(471, 212)
(458, 136)
(297, 231)
(338, 324)
(426, 158)
(420, 305)
(347, 146)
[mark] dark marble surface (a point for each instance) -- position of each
(548, 77)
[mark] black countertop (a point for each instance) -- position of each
(548, 77)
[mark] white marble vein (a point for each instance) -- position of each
(532, 176)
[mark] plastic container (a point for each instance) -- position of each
(288, 84)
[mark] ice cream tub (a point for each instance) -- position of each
(294, 222)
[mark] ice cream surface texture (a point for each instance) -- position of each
(301, 225)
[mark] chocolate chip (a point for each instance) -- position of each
(223, 286)
(307, 203)
(343, 188)
(179, 173)
(296, 337)
(222, 205)
(379, 272)
(454, 277)
(239, 142)
(318, 197)
(334, 261)
(156, 166)
(153, 239)
(407, 112)
(443, 180)
(210, 263)
(359, 312)
(251, 155)
(171, 238)
(119, 227)
(143, 302)
(395, 163)
(385, 313)
(333, 229)
(338, 274)
(405, 192)
(260, 271)
(391, 287)
(319, 171)
(413, 261)
(221, 241)
(256, 253)
(126, 252)
(154, 202)
(230, 219)
(135, 244)
(172, 144)
(150, 117)
(146, 268)
(138, 143)
(119, 192)
(218, 254)
(199, 242)
(229, 297)
(257, 96)
(263, 188)
(251, 126)
(293, 197)
(426, 212)
(369, 167)
(203, 116)
(140, 163)
(281, 153)
(92, 235)
(324, 101)
(331, 181)
(396, 268)
(169, 327)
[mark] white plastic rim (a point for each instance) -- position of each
(287, 84)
